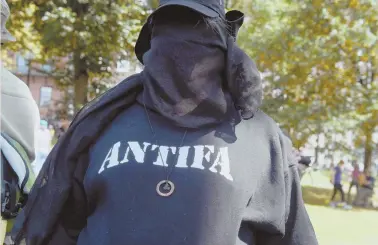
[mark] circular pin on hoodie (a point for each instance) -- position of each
(165, 188)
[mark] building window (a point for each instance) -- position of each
(45, 96)
(47, 68)
(21, 64)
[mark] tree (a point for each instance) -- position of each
(90, 35)
(360, 58)
(152, 4)
(315, 56)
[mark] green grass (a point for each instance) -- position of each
(336, 226)
(340, 227)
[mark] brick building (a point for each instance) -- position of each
(43, 88)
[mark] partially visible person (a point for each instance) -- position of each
(44, 136)
(366, 190)
(61, 128)
(354, 179)
(19, 117)
(52, 130)
(19, 111)
(303, 162)
(304, 165)
(337, 183)
(60, 132)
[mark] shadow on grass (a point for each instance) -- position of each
(316, 196)
(321, 197)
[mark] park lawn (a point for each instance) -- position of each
(336, 226)
(341, 227)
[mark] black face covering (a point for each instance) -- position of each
(195, 76)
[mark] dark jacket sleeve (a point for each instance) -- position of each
(74, 215)
(275, 214)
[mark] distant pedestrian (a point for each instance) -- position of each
(337, 183)
(43, 145)
(355, 176)
(59, 133)
(366, 190)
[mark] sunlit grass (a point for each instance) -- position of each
(341, 227)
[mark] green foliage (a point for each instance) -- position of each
(89, 35)
(319, 63)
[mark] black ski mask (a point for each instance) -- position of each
(195, 75)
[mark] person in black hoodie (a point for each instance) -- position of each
(178, 154)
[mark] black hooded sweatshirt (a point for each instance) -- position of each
(236, 181)
(244, 191)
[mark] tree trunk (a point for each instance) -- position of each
(316, 161)
(29, 73)
(368, 150)
(80, 81)
(81, 91)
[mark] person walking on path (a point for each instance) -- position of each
(179, 154)
(355, 178)
(337, 183)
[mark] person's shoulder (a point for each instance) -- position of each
(127, 85)
(125, 92)
(266, 127)
(274, 135)
(265, 122)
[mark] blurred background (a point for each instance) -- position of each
(318, 60)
